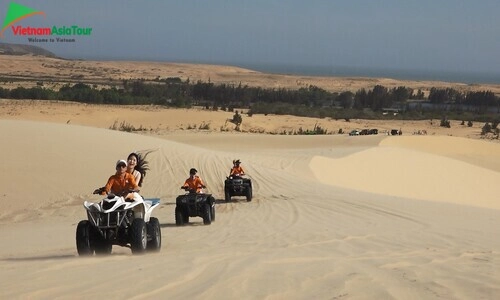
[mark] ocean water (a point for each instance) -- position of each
(345, 71)
(448, 76)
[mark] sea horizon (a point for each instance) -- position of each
(399, 74)
(465, 77)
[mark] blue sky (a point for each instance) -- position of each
(442, 35)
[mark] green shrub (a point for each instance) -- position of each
(486, 129)
(445, 122)
(204, 126)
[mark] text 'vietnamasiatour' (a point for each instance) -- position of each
(54, 30)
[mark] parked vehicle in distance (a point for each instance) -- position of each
(354, 132)
(395, 132)
(364, 132)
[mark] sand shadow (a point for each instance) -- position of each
(35, 258)
(233, 200)
(220, 201)
(62, 256)
(194, 224)
(166, 225)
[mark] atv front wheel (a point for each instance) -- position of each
(179, 217)
(211, 201)
(227, 195)
(249, 194)
(154, 233)
(84, 238)
(138, 236)
(207, 214)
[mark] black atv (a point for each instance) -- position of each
(194, 204)
(237, 186)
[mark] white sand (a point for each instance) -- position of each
(333, 217)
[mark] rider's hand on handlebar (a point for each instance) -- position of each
(98, 191)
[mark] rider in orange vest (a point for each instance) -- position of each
(236, 170)
(193, 182)
(121, 183)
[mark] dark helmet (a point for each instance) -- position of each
(237, 162)
(193, 171)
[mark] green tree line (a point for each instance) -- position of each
(307, 101)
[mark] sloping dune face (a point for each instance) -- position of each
(305, 235)
(420, 168)
(45, 163)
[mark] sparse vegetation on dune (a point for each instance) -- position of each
(124, 126)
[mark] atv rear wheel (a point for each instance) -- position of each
(138, 236)
(154, 233)
(84, 236)
(179, 217)
(207, 214)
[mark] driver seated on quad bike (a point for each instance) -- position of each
(194, 182)
(236, 170)
(121, 183)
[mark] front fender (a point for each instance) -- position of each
(149, 205)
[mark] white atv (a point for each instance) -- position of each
(116, 221)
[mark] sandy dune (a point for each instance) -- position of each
(414, 174)
(55, 72)
(333, 217)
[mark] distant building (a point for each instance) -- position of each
(395, 109)
(391, 110)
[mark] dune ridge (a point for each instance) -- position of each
(410, 174)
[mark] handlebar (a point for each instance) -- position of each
(188, 189)
(98, 191)
(191, 190)
(237, 175)
(101, 190)
(129, 191)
